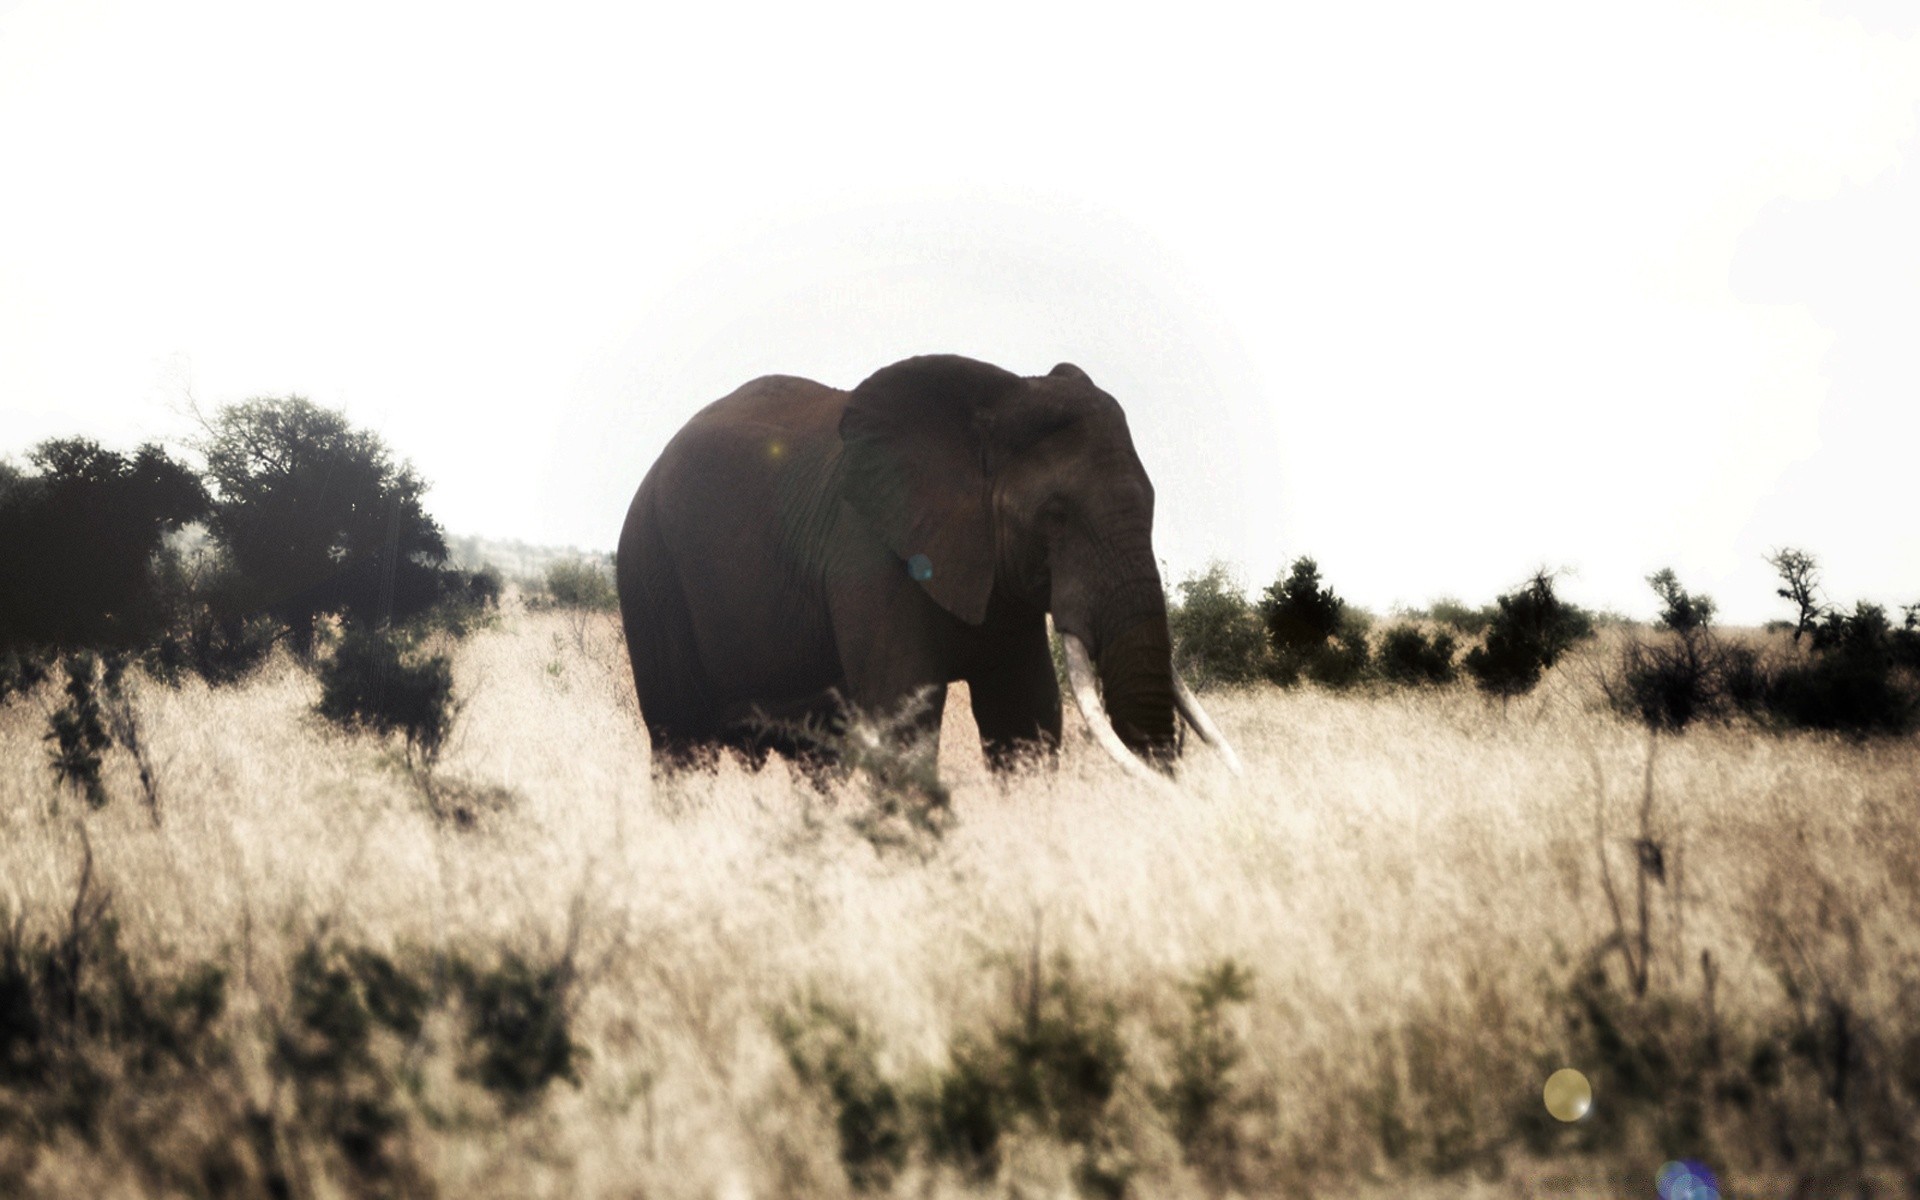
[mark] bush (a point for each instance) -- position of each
(20, 671)
(1216, 632)
(78, 729)
(1530, 630)
(1312, 631)
(1205, 1098)
(1468, 622)
(581, 583)
(1854, 680)
(1410, 656)
(369, 683)
(830, 1052)
(1670, 684)
(1055, 1068)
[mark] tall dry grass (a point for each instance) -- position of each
(1414, 880)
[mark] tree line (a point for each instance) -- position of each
(1848, 669)
(298, 529)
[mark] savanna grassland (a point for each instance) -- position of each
(313, 968)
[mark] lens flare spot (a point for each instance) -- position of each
(1568, 1094)
(776, 449)
(1686, 1180)
(920, 567)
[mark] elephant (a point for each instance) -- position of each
(799, 552)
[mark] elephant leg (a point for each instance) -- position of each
(1016, 696)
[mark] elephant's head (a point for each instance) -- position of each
(983, 481)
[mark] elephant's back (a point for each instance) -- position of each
(735, 453)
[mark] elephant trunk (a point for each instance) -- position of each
(1136, 680)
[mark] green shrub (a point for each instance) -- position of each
(370, 683)
(1408, 655)
(78, 729)
(1053, 1067)
(1217, 636)
(581, 583)
(1312, 631)
(1671, 683)
(1466, 621)
(1530, 630)
(1205, 1096)
(1855, 679)
(518, 1025)
(830, 1052)
(87, 1031)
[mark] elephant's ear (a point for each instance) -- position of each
(917, 465)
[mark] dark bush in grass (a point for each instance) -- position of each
(20, 671)
(1205, 1098)
(78, 731)
(1345, 661)
(1312, 632)
(1054, 1067)
(1530, 630)
(1853, 680)
(1409, 655)
(831, 1053)
(372, 682)
(86, 1032)
(1217, 636)
(1683, 677)
(518, 1025)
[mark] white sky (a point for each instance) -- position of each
(1436, 293)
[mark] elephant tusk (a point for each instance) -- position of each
(1086, 693)
(1203, 724)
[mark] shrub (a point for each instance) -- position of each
(1854, 680)
(1054, 1067)
(518, 1025)
(88, 1033)
(1530, 630)
(830, 1052)
(1312, 631)
(1410, 656)
(369, 683)
(1468, 622)
(581, 583)
(78, 730)
(1216, 632)
(1204, 1096)
(20, 671)
(1670, 684)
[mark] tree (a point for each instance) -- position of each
(82, 539)
(1216, 633)
(1800, 580)
(318, 518)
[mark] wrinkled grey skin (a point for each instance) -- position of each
(798, 549)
